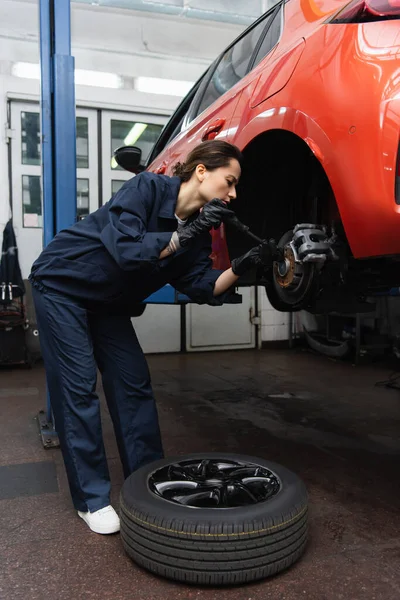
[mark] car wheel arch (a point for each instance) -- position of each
(282, 171)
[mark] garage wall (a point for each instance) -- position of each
(274, 324)
(118, 41)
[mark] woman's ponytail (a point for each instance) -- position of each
(179, 170)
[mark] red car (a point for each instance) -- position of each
(311, 94)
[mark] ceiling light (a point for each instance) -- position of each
(97, 79)
(168, 87)
(82, 76)
(26, 70)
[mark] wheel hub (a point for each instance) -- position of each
(287, 271)
(283, 267)
(214, 483)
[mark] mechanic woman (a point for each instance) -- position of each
(150, 233)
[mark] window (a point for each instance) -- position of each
(132, 133)
(30, 138)
(232, 67)
(82, 198)
(174, 125)
(31, 201)
(82, 143)
(271, 38)
(116, 185)
(30, 142)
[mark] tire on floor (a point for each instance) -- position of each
(189, 519)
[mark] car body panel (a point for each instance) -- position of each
(337, 87)
(281, 69)
(222, 111)
(350, 133)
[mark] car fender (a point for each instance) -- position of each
(285, 118)
(294, 121)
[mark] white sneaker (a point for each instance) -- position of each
(103, 521)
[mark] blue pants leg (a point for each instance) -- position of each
(71, 372)
(127, 386)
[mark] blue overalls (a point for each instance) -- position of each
(85, 283)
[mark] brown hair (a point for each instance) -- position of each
(212, 154)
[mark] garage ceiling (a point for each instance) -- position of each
(227, 11)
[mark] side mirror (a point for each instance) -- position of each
(129, 157)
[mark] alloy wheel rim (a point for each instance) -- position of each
(214, 483)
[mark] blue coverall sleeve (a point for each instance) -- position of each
(125, 236)
(199, 282)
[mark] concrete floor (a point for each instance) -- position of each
(324, 420)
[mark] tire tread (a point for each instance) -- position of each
(194, 547)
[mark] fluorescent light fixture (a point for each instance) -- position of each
(135, 133)
(82, 76)
(97, 79)
(26, 70)
(169, 87)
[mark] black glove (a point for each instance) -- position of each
(262, 255)
(269, 252)
(247, 261)
(212, 215)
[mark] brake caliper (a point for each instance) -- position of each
(311, 244)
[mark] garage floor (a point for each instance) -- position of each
(324, 420)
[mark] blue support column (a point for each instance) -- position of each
(64, 117)
(46, 67)
(58, 139)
